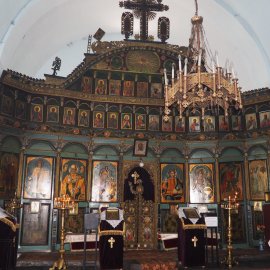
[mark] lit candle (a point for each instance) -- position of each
(217, 59)
(180, 64)
(233, 74)
(200, 57)
(172, 71)
(213, 66)
(165, 77)
(185, 69)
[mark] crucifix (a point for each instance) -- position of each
(135, 175)
(144, 9)
(111, 242)
(194, 240)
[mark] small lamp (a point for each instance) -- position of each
(141, 164)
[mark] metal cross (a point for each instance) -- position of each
(143, 9)
(194, 240)
(111, 242)
(135, 175)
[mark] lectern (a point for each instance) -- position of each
(111, 243)
(191, 238)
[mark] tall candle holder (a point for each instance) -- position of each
(231, 205)
(13, 205)
(62, 203)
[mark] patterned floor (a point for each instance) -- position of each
(143, 260)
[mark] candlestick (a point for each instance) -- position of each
(62, 203)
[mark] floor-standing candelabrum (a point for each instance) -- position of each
(62, 203)
(231, 205)
(13, 205)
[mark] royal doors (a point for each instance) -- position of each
(139, 210)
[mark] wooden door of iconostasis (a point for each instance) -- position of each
(140, 211)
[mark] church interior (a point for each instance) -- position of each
(123, 131)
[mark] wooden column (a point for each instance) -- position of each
(246, 177)
(57, 174)
(20, 172)
(89, 178)
(187, 195)
(217, 178)
(120, 183)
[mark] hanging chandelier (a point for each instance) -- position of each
(197, 87)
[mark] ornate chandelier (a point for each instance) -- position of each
(209, 91)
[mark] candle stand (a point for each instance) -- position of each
(231, 205)
(14, 205)
(62, 203)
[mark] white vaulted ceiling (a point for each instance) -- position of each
(34, 32)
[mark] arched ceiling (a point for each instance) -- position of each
(34, 32)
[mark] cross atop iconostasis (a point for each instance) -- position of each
(145, 11)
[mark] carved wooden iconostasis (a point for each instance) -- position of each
(76, 136)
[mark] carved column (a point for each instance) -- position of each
(246, 176)
(20, 172)
(89, 181)
(120, 179)
(187, 195)
(57, 173)
(217, 177)
(90, 147)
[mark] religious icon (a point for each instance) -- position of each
(69, 116)
(258, 179)
(73, 179)
(53, 113)
(74, 221)
(153, 124)
(87, 84)
(128, 90)
(20, 109)
(83, 118)
(201, 183)
(9, 164)
(74, 210)
(34, 207)
(179, 124)
(264, 119)
(35, 226)
(98, 119)
(140, 121)
(101, 87)
(114, 87)
(231, 180)
(140, 147)
(251, 121)
(172, 183)
(167, 125)
(126, 121)
(156, 90)
(7, 105)
(104, 182)
(37, 112)
(112, 120)
(38, 178)
(209, 123)
(223, 123)
(236, 122)
(142, 89)
(194, 124)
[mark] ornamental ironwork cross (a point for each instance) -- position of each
(194, 240)
(111, 242)
(144, 9)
